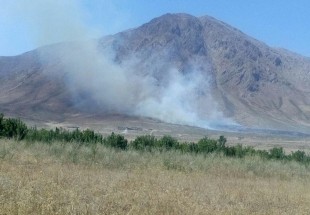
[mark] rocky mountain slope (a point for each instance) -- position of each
(251, 83)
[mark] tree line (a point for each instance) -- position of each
(13, 128)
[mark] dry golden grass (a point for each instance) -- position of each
(65, 179)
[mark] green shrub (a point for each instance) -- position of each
(89, 136)
(299, 156)
(83, 137)
(12, 128)
(230, 151)
(222, 141)
(262, 153)
(184, 147)
(240, 152)
(193, 148)
(146, 142)
(115, 141)
(249, 150)
(168, 142)
(277, 153)
(206, 145)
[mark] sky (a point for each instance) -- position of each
(279, 23)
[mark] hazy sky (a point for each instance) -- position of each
(279, 23)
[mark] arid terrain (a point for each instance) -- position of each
(177, 68)
(178, 75)
(62, 178)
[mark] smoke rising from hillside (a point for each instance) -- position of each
(97, 82)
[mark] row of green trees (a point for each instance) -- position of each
(15, 128)
(12, 128)
(62, 135)
(207, 145)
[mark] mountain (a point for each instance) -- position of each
(250, 83)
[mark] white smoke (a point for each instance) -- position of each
(177, 101)
(182, 98)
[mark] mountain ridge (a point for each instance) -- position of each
(251, 83)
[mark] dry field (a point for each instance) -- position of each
(66, 179)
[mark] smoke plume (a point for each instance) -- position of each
(96, 81)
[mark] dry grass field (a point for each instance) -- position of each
(65, 179)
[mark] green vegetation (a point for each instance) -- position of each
(12, 128)
(115, 141)
(16, 129)
(82, 137)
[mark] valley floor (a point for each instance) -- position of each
(61, 178)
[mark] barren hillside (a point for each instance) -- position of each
(248, 82)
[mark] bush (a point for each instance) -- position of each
(249, 150)
(222, 141)
(206, 145)
(168, 142)
(12, 128)
(277, 153)
(230, 151)
(184, 147)
(83, 137)
(239, 151)
(115, 141)
(89, 136)
(299, 156)
(146, 142)
(193, 147)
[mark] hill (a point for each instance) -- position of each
(177, 68)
